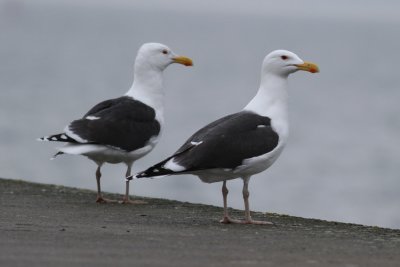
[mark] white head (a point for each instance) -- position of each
(271, 98)
(151, 61)
(283, 63)
(158, 56)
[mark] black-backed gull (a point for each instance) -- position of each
(124, 129)
(241, 144)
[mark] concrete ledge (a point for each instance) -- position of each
(47, 225)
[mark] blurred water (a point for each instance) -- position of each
(59, 58)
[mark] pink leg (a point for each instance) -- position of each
(246, 194)
(226, 218)
(126, 199)
(100, 198)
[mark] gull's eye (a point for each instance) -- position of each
(284, 57)
(165, 51)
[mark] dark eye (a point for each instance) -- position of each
(165, 51)
(284, 57)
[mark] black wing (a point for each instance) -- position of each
(228, 141)
(224, 143)
(123, 122)
(102, 106)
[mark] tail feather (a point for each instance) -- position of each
(156, 170)
(62, 137)
(57, 154)
(160, 169)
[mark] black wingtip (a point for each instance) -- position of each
(57, 154)
(130, 177)
(146, 174)
(62, 137)
(154, 171)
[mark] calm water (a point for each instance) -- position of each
(57, 59)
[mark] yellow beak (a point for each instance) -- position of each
(308, 66)
(183, 60)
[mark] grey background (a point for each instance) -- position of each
(59, 58)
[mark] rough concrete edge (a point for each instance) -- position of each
(171, 201)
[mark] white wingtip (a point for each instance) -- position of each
(173, 166)
(130, 177)
(42, 139)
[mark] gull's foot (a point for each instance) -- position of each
(257, 222)
(227, 220)
(103, 200)
(129, 201)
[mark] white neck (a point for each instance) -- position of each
(271, 96)
(271, 101)
(147, 87)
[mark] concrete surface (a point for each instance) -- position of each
(47, 225)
